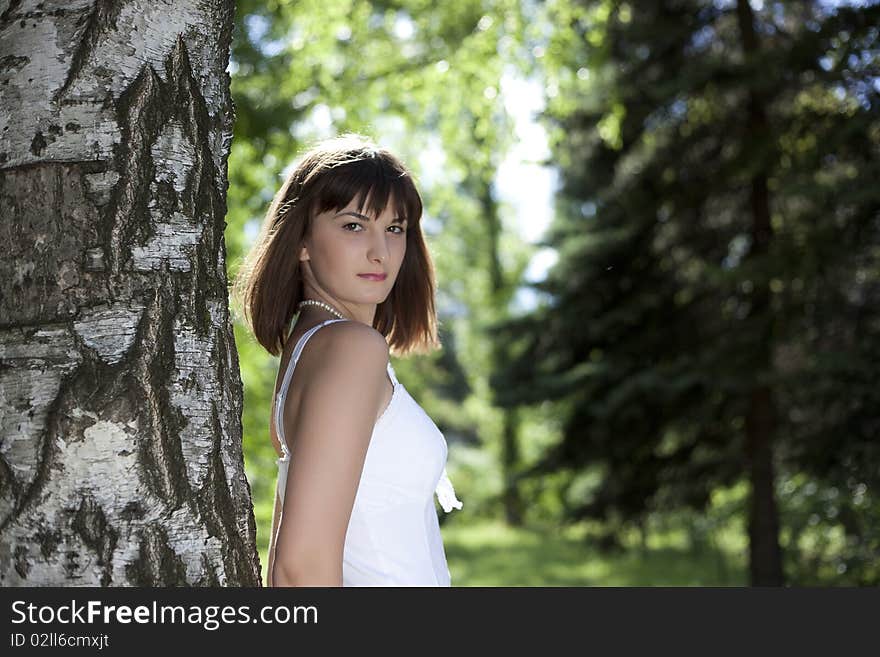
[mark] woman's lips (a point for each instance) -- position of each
(374, 277)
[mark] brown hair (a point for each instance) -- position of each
(269, 285)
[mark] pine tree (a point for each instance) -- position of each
(710, 317)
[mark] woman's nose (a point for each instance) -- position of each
(378, 247)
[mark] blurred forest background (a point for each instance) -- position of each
(675, 382)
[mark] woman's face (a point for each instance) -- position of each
(342, 247)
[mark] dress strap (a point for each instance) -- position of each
(392, 374)
(285, 384)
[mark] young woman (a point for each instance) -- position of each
(360, 461)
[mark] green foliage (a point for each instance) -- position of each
(670, 307)
(832, 534)
(632, 378)
(392, 71)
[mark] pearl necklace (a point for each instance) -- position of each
(320, 304)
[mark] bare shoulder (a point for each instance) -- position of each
(347, 349)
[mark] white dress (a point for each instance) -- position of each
(393, 536)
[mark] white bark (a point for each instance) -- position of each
(120, 400)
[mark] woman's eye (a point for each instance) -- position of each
(400, 230)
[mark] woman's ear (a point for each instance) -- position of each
(303, 254)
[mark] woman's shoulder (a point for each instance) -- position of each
(350, 333)
(343, 345)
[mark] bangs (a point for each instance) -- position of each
(376, 180)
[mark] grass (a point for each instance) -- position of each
(492, 554)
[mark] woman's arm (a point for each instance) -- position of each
(332, 431)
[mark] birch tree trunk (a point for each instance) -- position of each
(120, 435)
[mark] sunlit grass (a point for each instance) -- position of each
(492, 554)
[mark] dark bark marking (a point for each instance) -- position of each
(8, 482)
(143, 111)
(201, 199)
(102, 19)
(159, 451)
(38, 143)
(45, 196)
(157, 564)
(6, 16)
(12, 63)
(140, 116)
(22, 565)
(210, 577)
(71, 565)
(132, 511)
(219, 511)
(48, 541)
(92, 526)
(26, 494)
